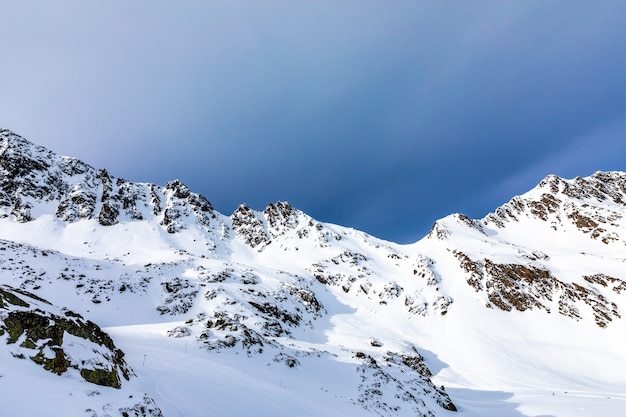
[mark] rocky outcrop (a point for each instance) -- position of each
(32, 176)
(59, 340)
(524, 287)
(278, 222)
(249, 227)
(398, 383)
(181, 204)
(594, 205)
(239, 314)
(281, 217)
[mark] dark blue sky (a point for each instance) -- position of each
(382, 116)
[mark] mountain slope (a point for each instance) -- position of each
(556, 248)
(274, 313)
(61, 342)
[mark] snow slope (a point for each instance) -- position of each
(274, 313)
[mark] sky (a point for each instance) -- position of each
(381, 116)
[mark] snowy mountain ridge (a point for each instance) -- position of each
(311, 318)
(589, 211)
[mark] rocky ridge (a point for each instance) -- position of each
(267, 284)
(590, 210)
(594, 205)
(73, 190)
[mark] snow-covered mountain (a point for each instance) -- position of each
(275, 313)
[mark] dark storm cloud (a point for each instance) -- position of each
(379, 116)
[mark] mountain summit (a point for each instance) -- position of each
(275, 313)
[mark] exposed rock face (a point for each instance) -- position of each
(245, 316)
(56, 339)
(250, 227)
(281, 217)
(260, 314)
(527, 287)
(181, 203)
(411, 378)
(279, 222)
(31, 174)
(507, 266)
(594, 205)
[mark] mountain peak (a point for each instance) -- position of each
(332, 320)
(593, 204)
(36, 182)
(599, 186)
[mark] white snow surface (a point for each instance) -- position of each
(340, 295)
